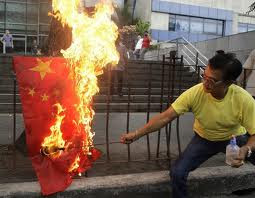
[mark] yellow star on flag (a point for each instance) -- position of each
(31, 92)
(44, 97)
(43, 68)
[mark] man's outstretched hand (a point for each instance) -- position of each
(128, 138)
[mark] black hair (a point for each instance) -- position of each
(230, 66)
(220, 52)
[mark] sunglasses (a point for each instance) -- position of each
(211, 80)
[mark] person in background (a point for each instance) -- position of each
(221, 109)
(138, 47)
(248, 66)
(7, 40)
(118, 70)
(145, 45)
(34, 48)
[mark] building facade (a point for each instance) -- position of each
(28, 20)
(196, 20)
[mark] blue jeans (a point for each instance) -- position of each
(198, 151)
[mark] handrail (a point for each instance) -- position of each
(179, 38)
(195, 48)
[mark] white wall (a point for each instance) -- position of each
(143, 10)
(91, 3)
(159, 21)
(240, 6)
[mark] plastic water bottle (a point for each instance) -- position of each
(232, 151)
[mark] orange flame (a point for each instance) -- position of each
(92, 49)
(54, 142)
(75, 165)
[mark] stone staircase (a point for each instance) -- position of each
(142, 85)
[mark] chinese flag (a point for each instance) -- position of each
(44, 82)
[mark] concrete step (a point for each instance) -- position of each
(99, 107)
(207, 182)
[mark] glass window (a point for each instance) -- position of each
(32, 13)
(242, 27)
(2, 12)
(32, 29)
(16, 12)
(210, 26)
(251, 27)
(16, 28)
(44, 9)
(172, 23)
(196, 25)
(220, 28)
(182, 24)
(44, 29)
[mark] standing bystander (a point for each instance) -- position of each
(145, 45)
(34, 47)
(117, 71)
(138, 47)
(7, 41)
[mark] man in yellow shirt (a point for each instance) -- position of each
(221, 109)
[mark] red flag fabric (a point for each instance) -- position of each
(43, 83)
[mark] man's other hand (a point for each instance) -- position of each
(239, 160)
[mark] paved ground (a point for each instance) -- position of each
(118, 152)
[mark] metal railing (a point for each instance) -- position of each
(191, 55)
(169, 86)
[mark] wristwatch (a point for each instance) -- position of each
(249, 151)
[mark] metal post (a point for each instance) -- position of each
(178, 135)
(197, 61)
(198, 74)
(244, 78)
(108, 112)
(161, 101)
(128, 112)
(14, 122)
(14, 112)
(148, 112)
(178, 119)
(177, 47)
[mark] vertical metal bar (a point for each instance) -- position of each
(180, 74)
(178, 119)
(108, 112)
(148, 111)
(177, 47)
(173, 79)
(26, 31)
(197, 61)
(178, 135)
(14, 123)
(161, 102)
(168, 131)
(38, 21)
(198, 74)
(244, 78)
(128, 112)
(14, 112)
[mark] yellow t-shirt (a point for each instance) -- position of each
(217, 120)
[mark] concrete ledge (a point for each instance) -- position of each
(203, 182)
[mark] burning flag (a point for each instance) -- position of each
(56, 95)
